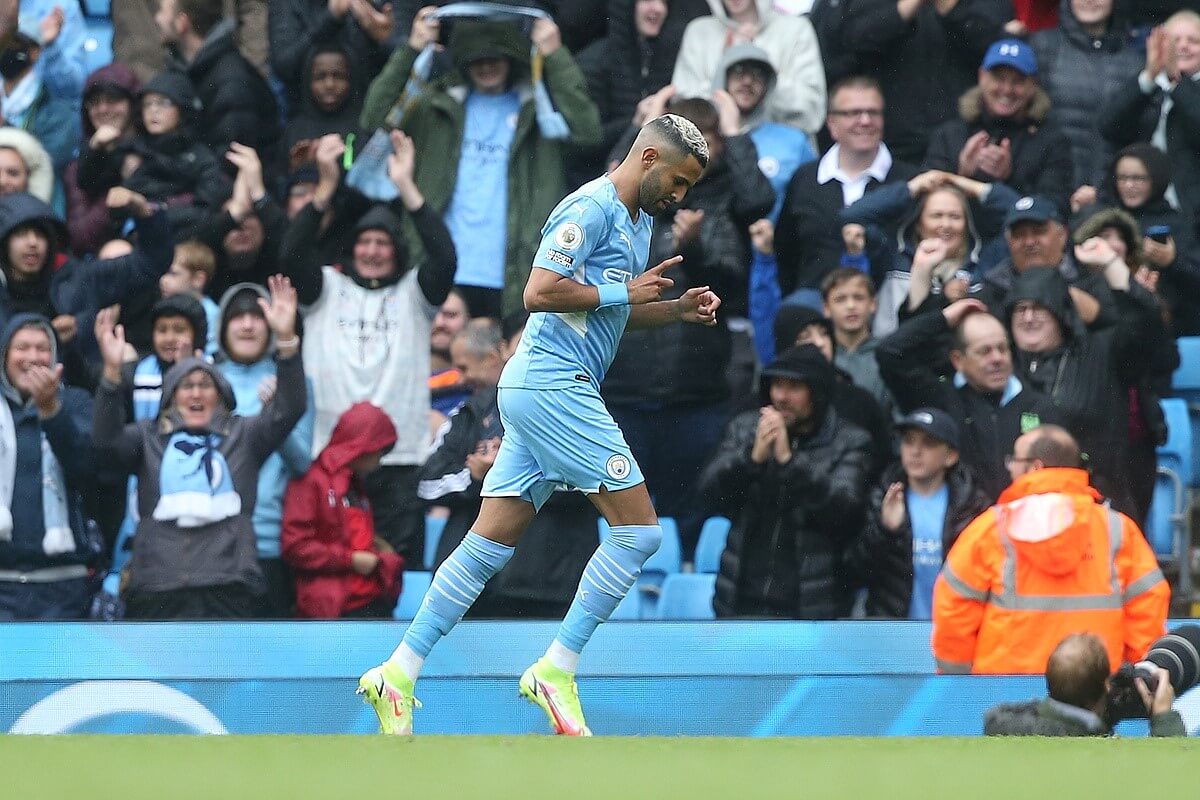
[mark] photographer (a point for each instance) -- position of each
(1079, 683)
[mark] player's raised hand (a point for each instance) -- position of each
(649, 286)
(699, 305)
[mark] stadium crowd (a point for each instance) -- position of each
(260, 275)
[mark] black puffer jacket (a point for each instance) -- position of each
(1085, 377)
(1080, 71)
(791, 522)
(882, 560)
(238, 104)
(1041, 152)
(922, 63)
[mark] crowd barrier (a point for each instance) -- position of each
(637, 678)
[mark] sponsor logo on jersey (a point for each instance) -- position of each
(569, 236)
(560, 258)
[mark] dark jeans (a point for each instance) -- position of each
(69, 599)
(229, 601)
(399, 513)
(672, 446)
(280, 599)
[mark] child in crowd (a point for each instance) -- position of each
(342, 568)
(918, 511)
(849, 300)
(190, 273)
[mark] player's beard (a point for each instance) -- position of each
(650, 192)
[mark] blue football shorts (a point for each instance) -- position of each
(558, 438)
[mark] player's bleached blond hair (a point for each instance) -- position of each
(681, 133)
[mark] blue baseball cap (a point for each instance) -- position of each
(1011, 53)
(1031, 209)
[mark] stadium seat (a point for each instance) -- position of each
(712, 544)
(687, 596)
(1185, 383)
(666, 561)
(416, 584)
(1166, 524)
(97, 44)
(433, 534)
(630, 608)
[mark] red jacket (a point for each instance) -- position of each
(316, 526)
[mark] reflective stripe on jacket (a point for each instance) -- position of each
(1046, 561)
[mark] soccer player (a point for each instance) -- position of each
(587, 284)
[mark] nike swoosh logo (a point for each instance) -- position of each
(381, 687)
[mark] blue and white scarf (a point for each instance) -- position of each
(195, 487)
(58, 537)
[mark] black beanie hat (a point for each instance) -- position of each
(182, 305)
(807, 364)
(791, 319)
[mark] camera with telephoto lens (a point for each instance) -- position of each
(1178, 653)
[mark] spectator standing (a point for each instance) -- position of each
(1162, 106)
(494, 181)
(137, 37)
(47, 466)
(924, 53)
(25, 166)
(343, 569)
(389, 300)
(197, 466)
(1003, 132)
(790, 42)
(330, 101)
(1082, 63)
(991, 405)
(792, 475)
(540, 579)
(1047, 560)
(246, 360)
(916, 514)
(236, 103)
(360, 29)
(807, 244)
(109, 99)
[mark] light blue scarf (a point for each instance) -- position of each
(195, 487)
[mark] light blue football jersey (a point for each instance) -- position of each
(590, 238)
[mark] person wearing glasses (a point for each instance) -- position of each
(1002, 132)
(1048, 560)
(808, 241)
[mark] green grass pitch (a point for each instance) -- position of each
(500, 768)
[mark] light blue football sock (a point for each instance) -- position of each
(456, 585)
(608, 577)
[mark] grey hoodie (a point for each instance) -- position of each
(167, 557)
(736, 55)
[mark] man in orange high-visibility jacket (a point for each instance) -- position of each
(1046, 561)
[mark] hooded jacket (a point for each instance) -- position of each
(66, 287)
(1084, 378)
(310, 121)
(1079, 72)
(380, 327)
(890, 215)
(1046, 561)
(316, 528)
(166, 556)
(882, 560)
(295, 26)
(88, 220)
(237, 103)
(1041, 152)
(793, 521)
(37, 161)
(436, 120)
(623, 68)
(69, 435)
(559, 541)
(791, 42)
(923, 63)
(291, 460)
